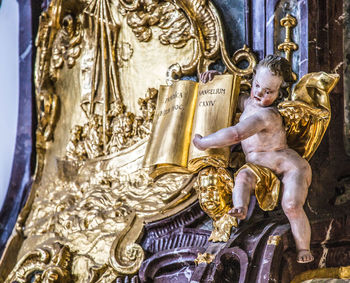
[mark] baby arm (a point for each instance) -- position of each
(232, 135)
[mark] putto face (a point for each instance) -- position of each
(265, 87)
(213, 196)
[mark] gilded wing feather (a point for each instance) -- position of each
(308, 112)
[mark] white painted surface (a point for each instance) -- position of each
(9, 65)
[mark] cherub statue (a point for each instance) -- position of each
(263, 137)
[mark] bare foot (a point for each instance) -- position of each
(239, 212)
(304, 256)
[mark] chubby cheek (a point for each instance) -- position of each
(267, 101)
(252, 92)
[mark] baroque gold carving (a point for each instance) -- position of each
(288, 46)
(125, 255)
(124, 54)
(57, 42)
(210, 44)
(204, 258)
(124, 129)
(342, 272)
(101, 79)
(274, 240)
(66, 46)
(47, 109)
(90, 191)
(307, 114)
(47, 101)
(172, 21)
(215, 198)
(267, 186)
(48, 27)
(50, 263)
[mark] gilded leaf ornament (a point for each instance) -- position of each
(48, 263)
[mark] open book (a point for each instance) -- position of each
(184, 109)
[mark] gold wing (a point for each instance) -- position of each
(308, 112)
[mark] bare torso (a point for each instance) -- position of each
(272, 138)
(268, 147)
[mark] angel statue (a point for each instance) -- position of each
(269, 149)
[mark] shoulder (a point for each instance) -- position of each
(270, 111)
(269, 115)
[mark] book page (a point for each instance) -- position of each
(171, 133)
(215, 109)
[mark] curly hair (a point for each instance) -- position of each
(278, 66)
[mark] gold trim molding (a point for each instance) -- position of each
(342, 272)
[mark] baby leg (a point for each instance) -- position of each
(295, 187)
(245, 182)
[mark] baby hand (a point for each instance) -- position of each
(208, 75)
(198, 143)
